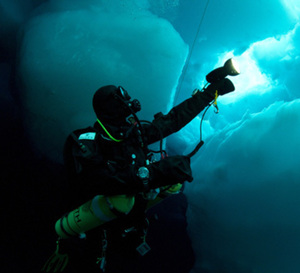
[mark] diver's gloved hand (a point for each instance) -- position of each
(222, 87)
(170, 171)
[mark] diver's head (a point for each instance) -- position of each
(113, 104)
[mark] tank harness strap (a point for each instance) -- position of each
(86, 152)
(62, 226)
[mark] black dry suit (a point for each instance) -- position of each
(99, 165)
(105, 162)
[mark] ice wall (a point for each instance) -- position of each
(244, 202)
(68, 53)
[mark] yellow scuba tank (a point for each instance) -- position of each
(101, 209)
(92, 214)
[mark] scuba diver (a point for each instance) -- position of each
(115, 178)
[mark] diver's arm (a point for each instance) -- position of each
(182, 114)
(177, 118)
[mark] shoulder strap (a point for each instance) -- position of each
(86, 151)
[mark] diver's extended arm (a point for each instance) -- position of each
(182, 114)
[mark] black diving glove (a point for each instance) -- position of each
(170, 171)
(222, 87)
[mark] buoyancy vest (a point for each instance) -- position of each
(96, 164)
